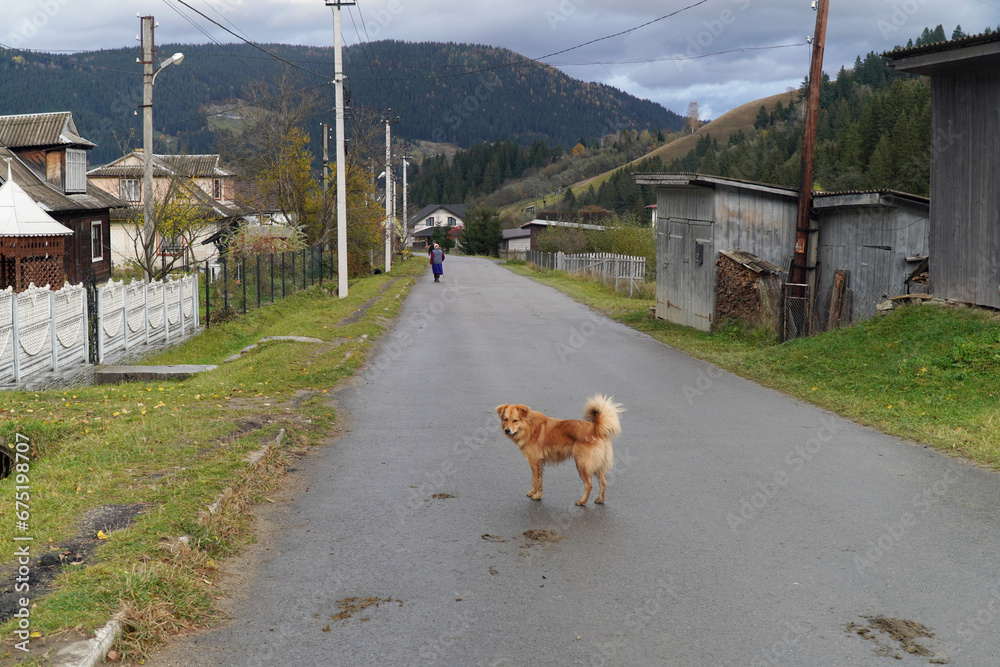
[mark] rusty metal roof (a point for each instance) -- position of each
(38, 130)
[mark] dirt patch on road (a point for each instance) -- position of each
(892, 636)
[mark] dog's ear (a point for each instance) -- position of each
(501, 408)
(523, 410)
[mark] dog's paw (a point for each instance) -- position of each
(535, 496)
(581, 502)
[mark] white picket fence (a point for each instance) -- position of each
(603, 265)
(44, 331)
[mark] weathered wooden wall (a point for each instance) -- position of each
(965, 186)
(872, 243)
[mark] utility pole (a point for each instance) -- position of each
(326, 158)
(148, 229)
(147, 25)
(406, 213)
(389, 196)
(338, 79)
(800, 262)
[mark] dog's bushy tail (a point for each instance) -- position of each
(603, 411)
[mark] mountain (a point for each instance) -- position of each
(442, 92)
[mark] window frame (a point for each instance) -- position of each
(98, 238)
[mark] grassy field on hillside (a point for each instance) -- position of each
(924, 372)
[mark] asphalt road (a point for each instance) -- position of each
(742, 527)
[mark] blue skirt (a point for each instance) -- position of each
(438, 269)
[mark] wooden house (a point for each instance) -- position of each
(965, 164)
(32, 243)
(422, 223)
(49, 162)
(874, 241)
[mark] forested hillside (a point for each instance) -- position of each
(456, 93)
(873, 132)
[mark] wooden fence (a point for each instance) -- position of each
(620, 269)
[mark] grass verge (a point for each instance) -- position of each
(924, 372)
(160, 454)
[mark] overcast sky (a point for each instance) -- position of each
(673, 60)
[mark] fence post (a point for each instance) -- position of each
(166, 318)
(272, 276)
(52, 330)
(145, 311)
(225, 283)
(258, 281)
(208, 296)
(243, 282)
(15, 339)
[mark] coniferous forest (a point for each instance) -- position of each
(873, 133)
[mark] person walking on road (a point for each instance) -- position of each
(437, 262)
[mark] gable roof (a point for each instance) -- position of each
(458, 210)
(189, 166)
(40, 130)
(21, 216)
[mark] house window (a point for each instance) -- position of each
(451, 221)
(130, 189)
(430, 221)
(217, 188)
(76, 170)
(96, 241)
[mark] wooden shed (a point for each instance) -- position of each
(965, 164)
(697, 217)
(31, 241)
(868, 246)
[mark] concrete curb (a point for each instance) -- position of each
(91, 652)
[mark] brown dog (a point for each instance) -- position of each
(544, 439)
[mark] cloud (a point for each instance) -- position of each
(715, 53)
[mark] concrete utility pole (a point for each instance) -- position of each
(147, 25)
(406, 213)
(389, 196)
(338, 79)
(800, 262)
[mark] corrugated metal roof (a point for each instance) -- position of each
(191, 166)
(40, 129)
(971, 40)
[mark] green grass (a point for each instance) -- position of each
(925, 372)
(175, 446)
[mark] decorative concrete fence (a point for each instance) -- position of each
(144, 315)
(42, 330)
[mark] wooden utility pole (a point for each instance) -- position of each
(800, 259)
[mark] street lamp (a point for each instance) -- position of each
(148, 78)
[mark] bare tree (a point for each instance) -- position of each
(692, 117)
